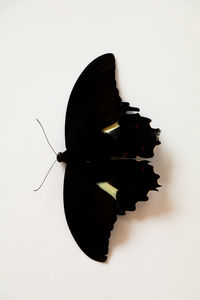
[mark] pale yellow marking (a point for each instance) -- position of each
(111, 127)
(107, 187)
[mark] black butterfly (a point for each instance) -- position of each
(95, 155)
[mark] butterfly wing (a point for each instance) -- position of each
(94, 102)
(130, 180)
(133, 180)
(90, 212)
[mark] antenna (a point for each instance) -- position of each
(46, 136)
(45, 176)
(52, 150)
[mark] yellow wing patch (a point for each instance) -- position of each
(111, 127)
(108, 188)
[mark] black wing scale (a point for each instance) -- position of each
(94, 104)
(90, 212)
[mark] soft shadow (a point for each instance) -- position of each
(157, 205)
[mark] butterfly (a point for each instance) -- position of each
(104, 138)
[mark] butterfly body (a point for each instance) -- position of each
(97, 155)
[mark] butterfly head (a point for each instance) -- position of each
(62, 157)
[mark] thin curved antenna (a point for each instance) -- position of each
(46, 136)
(45, 176)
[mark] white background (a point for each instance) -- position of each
(154, 252)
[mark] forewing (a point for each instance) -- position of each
(94, 102)
(90, 213)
